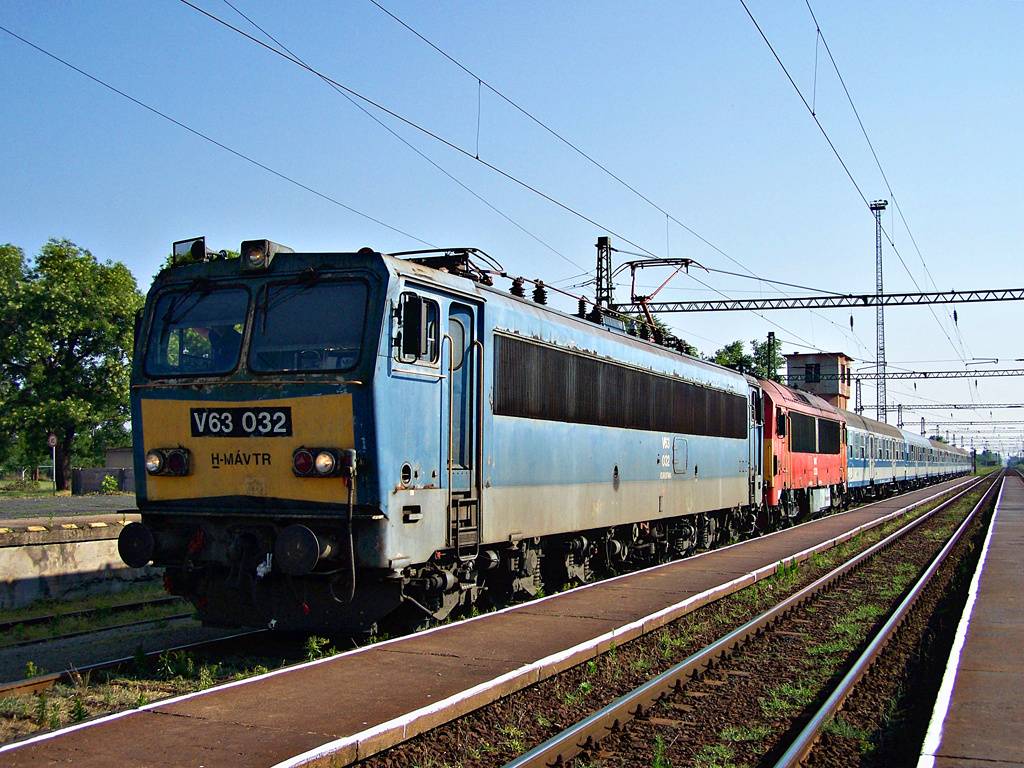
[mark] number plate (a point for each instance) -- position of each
(241, 422)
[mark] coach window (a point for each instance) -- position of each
(457, 331)
(417, 337)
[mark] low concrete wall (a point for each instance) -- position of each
(90, 479)
(66, 566)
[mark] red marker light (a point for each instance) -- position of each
(302, 462)
(177, 463)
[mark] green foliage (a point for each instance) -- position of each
(745, 733)
(173, 664)
(318, 648)
(66, 332)
(660, 760)
(42, 709)
(109, 484)
(765, 364)
(734, 355)
(78, 712)
(170, 261)
(989, 458)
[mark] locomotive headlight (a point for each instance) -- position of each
(255, 257)
(257, 254)
(316, 462)
(325, 463)
(168, 461)
(154, 462)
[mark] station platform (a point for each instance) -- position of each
(337, 710)
(64, 547)
(980, 705)
(53, 519)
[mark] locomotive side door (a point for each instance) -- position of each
(462, 366)
(755, 442)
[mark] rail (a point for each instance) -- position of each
(43, 682)
(808, 737)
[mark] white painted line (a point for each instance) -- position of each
(933, 738)
(405, 721)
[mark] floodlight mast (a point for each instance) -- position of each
(877, 207)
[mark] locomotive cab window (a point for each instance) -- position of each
(309, 325)
(457, 332)
(416, 340)
(196, 331)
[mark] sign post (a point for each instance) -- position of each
(52, 442)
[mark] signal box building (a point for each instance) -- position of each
(826, 375)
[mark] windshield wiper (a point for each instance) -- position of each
(307, 279)
(199, 284)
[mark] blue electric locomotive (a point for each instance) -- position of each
(342, 441)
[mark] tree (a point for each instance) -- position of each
(171, 260)
(66, 329)
(989, 458)
(733, 356)
(763, 366)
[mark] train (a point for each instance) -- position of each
(360, 443)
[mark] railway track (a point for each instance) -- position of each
(784, 627)
(701, 682)
(40, 683)
(94, 615)
(32, 621)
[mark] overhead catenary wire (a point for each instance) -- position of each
(668, 216)
(408, 144)
(412, 124)
(291, 58)
(213, 141)
(964, 348)
(839, 157)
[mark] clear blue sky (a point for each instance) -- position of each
(683, 101)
